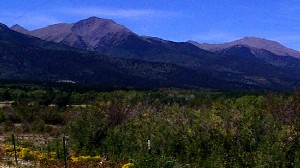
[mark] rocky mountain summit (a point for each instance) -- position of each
(255, 42)
(20, 29)
(91, 33)
(250, 62)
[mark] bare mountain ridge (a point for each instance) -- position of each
(20, 29)
(107, 37)
(236, 65)
(86, 34)
(104, 34)
(27, 58)
(252, 42)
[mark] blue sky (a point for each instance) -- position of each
(210, 21)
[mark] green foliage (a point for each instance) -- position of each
(5, 95)
(185, 128)
(38, 126)
(87, 131)
(240, 132)
(2, 116)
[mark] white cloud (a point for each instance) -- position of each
(117, 13)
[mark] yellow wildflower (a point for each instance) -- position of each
(74, 159)
(25, 154)
(128, 165)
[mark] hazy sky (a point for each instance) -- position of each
(210, 21)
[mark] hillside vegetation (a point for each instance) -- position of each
(164, 128)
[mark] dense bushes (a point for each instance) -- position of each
(185, 128)
(244, 131)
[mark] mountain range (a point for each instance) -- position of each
(24, 57)
(101, 46)
(252, 42)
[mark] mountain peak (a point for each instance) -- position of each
(95, 25)
(254, 42)
(20, 29)
(3, 26)
(257, 42)
(252, 38)
(16, 26)
(269, 45)
(97, 19)
(90, 33)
